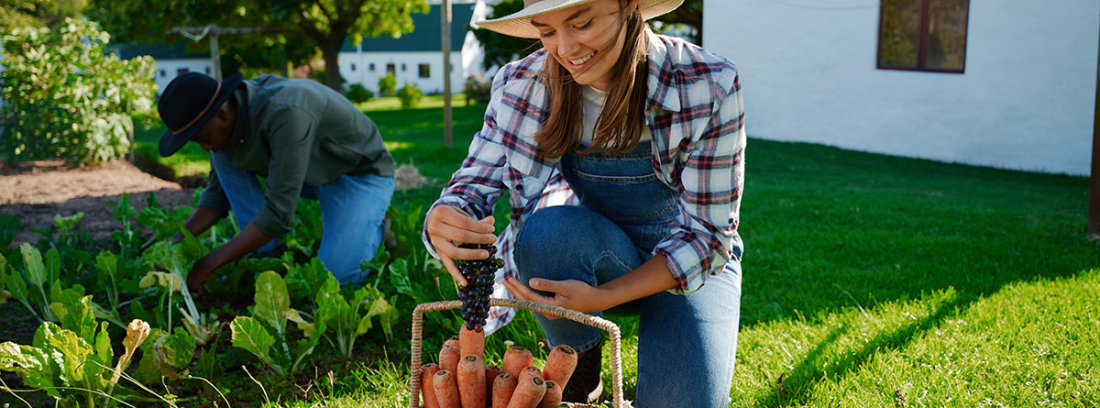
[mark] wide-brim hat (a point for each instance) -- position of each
(188, 103)
(518, 24)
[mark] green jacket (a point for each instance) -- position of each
(295, 132)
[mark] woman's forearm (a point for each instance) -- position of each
(650, 278)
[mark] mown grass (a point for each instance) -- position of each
(870, 280)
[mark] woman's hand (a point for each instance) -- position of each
(448, 227)
(570, 294)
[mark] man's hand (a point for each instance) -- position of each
(448, 227)
(200, 273)
(570, 294)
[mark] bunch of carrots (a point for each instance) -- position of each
(462, 380)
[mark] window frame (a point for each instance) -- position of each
(925, 16)
(421, 68)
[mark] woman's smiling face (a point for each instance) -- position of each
(586, 39)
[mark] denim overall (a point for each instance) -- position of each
(687, 343)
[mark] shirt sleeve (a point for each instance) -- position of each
(290, 133)
(214, 196)
(478, 183)
(704, 233)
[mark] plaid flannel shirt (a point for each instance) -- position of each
(696, 119)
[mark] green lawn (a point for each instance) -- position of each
(870, 280)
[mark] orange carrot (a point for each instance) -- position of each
(491, 373)
(530, 372)
(448, 358)
(453, 342)
(503, 387)
(427, 387)
(446, 390)
(528, 393)
(471, 341)
(560, 364)
(552, 398)
(515, 359)
(471, 381)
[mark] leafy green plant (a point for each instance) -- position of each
(264, 334)
(176, 259)
(165, 356)
(358, 93)
(69, 243)
(350, 318)
(410, 96)
(74, 371)
(477, 88)
(164, 223)
(128, 238)
(67, 97)
(34, 296)
(9, 227)
(387, 84)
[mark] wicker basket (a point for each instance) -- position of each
(616, 366)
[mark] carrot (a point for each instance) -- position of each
(471, 381)
(560, 364)
(446, 390)
(448, 358)
(453, 342)
(503, 387)
(515, 359)
(552, 398)
(491, 373)
(528, 393)
(427, 387)
(471, 341)
(530, 372)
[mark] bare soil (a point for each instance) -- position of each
(34, 192)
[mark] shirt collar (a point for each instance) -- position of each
(663, 74)
(240, 126)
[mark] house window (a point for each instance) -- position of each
(403, 67)
(923, 35)
(207, 70)
(182, 71)
(163, 73)
(425, 70)
(371, 67)
(352, 67)
(391, 68)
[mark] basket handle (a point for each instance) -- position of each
(597, 322)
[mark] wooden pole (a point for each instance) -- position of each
(1094, 177)
(445, 22)
(215, 56)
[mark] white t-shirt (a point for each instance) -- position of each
(593, 105)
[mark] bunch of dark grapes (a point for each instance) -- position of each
(479, 285)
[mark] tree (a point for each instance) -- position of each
(327, 23)
(501, 49)
(32, 13)
(68, 98)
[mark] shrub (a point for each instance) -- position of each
(358, 93)
(477, 88)
(387, 85)
(410, 96)
(68, 98)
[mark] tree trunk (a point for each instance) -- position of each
(330, 49)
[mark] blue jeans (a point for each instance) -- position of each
(686, 343)
(352, 212)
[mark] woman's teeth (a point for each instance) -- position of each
(583, 60)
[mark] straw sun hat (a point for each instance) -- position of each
(518, 24)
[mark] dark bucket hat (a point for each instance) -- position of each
(188, 103)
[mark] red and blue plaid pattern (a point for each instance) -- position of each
(696, 119)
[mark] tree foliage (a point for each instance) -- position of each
(326, 23)
(39, 13)
(67, 98)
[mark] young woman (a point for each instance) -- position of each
(622, 152)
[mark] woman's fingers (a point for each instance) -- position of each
(521, 291)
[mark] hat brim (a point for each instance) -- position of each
(518, 24)
(171, 143)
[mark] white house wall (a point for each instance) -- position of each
(169, 69)
(1026, 101)
(432, 85)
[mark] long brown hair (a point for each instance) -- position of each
(622, 120)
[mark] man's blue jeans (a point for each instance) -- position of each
(352, 212)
